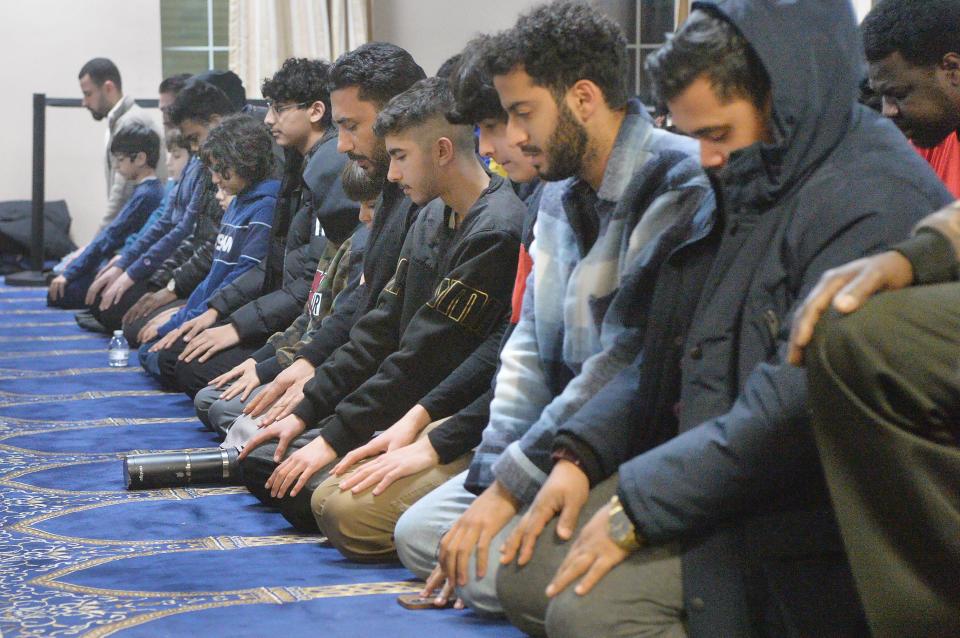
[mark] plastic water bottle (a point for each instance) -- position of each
(119, 350)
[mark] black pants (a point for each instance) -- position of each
(259, 465)
(886, 416)
(194, 376)
(112, 317)
(74, 293)
(132, 329)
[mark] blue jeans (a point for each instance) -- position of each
(150, 360)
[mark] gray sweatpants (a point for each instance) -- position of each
(221, 415)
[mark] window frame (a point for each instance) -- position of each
(210, 48)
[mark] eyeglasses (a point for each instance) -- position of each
(278, 110)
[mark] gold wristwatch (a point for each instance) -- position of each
(620, 528)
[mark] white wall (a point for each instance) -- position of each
(434, 30)
(43, 44)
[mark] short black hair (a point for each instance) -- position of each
(709, 45)
(560, 43)
(136, 138)
(174, 84)
(475, 98)
(922, 31)
(422, 102)
(239, 144)
(302, 81)
(100, 70)
(379, 69)
(357, 185)
(199, 101)
(448, 66)
(174, 139)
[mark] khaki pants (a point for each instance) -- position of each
(361, 526)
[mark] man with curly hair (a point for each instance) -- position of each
(621, 193)
(314, 217)
(237, 154)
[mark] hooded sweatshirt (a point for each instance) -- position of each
(310, 213)
(241, 244)
(738, 482)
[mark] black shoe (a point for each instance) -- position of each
(86, 320)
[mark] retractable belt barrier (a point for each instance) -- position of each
(35, 276)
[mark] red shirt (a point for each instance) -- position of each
(945, 160)
(524, 266)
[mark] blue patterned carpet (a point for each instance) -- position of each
(81, 556)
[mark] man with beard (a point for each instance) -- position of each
(619, 186)
(361, 83)
(103, 96)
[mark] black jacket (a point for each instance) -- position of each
(192, 259)
(334, 329)
(322, 210)
(467, 392)
(740, 487)
(450, 290)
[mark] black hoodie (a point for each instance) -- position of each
(738, 483)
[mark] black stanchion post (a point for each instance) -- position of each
(35, 276)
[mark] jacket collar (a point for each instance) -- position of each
(119, 110)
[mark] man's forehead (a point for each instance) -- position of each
(399, 142)
(346, 103)
(517, 79)
(892, 69)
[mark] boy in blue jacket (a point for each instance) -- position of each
(238, 155)
(136, 150)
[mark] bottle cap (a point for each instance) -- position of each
(118, 333)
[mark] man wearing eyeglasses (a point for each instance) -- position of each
(312, 218)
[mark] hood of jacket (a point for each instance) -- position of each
(321, 176)
(811, 52)
(260, 190)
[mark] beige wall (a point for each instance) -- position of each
(43, 44)
(433, 30)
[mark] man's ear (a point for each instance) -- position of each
(443, 150)
(140, 159)
(316, 111)
(584, 98)
(109, 87)
(950, 68)
(214, 120)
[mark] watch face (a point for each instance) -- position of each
(621, 529)
(620, 526)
